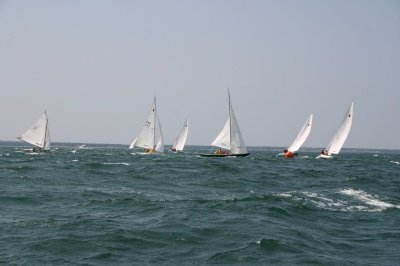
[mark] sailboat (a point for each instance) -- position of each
(38, 134)
(149, 133)
(299, 140)
(229, 141)
(181, 139)
(340, 137)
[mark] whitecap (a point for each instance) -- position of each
(284, 195)
(365, 201)
(395, 162)
(116, 164)
(368, 199)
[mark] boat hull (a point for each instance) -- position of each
(323, 156)
(224, 155)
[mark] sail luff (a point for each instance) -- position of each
(340, 137)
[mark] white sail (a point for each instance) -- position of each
(147, 135)
(237, 143)
(181, 139)
(223, 140)
(132, 143)
(38, 134)
(302, 136)
(47, 139)
(230, 137)
(160, 143)
(340, 137)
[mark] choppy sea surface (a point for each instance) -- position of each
(104, 205)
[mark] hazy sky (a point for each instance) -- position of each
(96, 66)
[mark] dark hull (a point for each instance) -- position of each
(223, 155)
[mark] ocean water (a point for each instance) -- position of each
(103, 205)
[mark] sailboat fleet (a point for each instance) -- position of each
(228, 143)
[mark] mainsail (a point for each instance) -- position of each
(38, 134)
(340, 137)
(147, 136)
(181, 139)
(302, 136)
(230, 137)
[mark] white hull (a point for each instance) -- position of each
(323, 156)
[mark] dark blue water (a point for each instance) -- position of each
(103, 205)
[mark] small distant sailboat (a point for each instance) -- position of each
(340, 137)
(299, 140)
(38, 134)
(149, 133)
(229, 141)
(180, 141)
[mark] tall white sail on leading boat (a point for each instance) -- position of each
(38, 134)
(180, 141)
(229, 141)
(149, 133)
(300, 139)
(340, 137)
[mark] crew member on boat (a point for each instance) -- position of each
(288, 154)
(148, 150)
(324, 152)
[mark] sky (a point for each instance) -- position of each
(96, 65)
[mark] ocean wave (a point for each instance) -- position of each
(359, 200)
(368, 199)
(127, 164)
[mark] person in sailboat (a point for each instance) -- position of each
(36, 149)
(218, 151)
(288, 154)
(324, 152)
